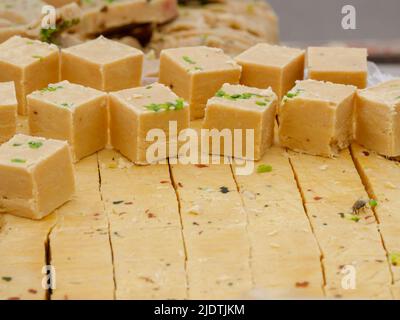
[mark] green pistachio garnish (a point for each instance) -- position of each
(17, 144)
(35, 144)
(395, 259)
(7, 279)
(17, 160)
(264, 168)
(51, 89)
(188, 60)
(179, 104)
(241, 96)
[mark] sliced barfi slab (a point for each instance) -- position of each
(213, 279)
(267, 65)
(338, 65)
(8, 111)
(34, 163)
(208, 196)
(70, 112)
(31, 64)
(101, 15)
(146, 236)
(240, 108)
(79, 242)
(83, 264)
(362, 292)
(22, 248)
(142, 115)
(382, 180)
(317, 118)
(370, 271)
(196, 74)
(102, 64)
(329, 180)
(378, 118)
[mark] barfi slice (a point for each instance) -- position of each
(102, 15)
(70, 112)
(338, 65)
(103, 64)
(196, 74)
(378, 118)
(242, 108)
(135, 112)
(267, 65)
(317, 117)
(8, 111)
(31, 64)
(36, 176)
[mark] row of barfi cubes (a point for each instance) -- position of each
(315, 117)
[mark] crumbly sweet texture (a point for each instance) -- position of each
(243, 108)
(102, 64)
(101, 15)
(267, 65)
(338, 65)
(35, 164)
(134, 112)
(31, 64)
(317, 118)
(196, 74)
(70, 112)
(8, 111)
(378, 118)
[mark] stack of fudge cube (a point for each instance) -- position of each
(88, 95)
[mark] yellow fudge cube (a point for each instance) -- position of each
(134, 112)
(378, 118)
(317, 117)
(70, 112)
(102, 64)
(272, 66)
(242, 108)
(36, 176)
(8, 111)
(196, 74)
(100, 15)
(338, 65)
(30, 64)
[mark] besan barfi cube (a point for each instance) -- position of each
(8, 111)
(317, 117)
(241, 107)
(102, 64)
(338, 65)
(70, 112)
(99, 16)
(378, 118)
(36, 176)
(134, 112)
(30, 64)
(272, 66)
(196, 74)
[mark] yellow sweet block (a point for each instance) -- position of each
(317, 118)
(135, 112)
(338, 65)
(378, 118)
(237, 107)
(267, 65)
(31, 64)
(71, 112)
(102, 64)
(196, 74)
(99, 15)
(8, 111)
(28, 166)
